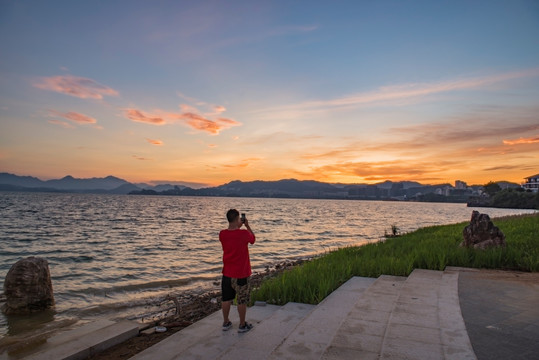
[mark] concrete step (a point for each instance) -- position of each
(312, 335)
(413, 328)
(421, 320)
(454, 335)
(205, 338)
(264, 338)
(85, 341)
(426, 321)
(362, 332)
(386, 318)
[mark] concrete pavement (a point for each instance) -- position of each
(501, 313)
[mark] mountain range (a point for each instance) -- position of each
(107, 185)
(281, 188)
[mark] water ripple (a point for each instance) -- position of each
(106, 251)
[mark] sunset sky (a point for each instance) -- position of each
(206, 92)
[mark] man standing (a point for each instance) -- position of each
(236, 267)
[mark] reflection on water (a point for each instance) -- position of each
(21, 324)
(110, 255)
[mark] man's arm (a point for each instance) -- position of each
(246, 223)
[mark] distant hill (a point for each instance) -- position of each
(70, 183)
(285, 188)
(124, 189)
(309, 189)
(405, 184)
(279, 188)
(106, 185)
(21, 181)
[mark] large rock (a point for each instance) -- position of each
(481, 233)
(28, 287)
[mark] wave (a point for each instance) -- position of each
(158, 284)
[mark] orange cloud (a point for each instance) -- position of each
(140, 158)
(520, 141)
(374, 171)
(468, 131)
(80, 87)
(426, 152)
(348, 151)
(139, 116)
(243, 163)
(154, 142)
(188, 108)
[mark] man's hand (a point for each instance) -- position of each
(246, 223)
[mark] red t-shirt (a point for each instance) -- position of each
(235, 243)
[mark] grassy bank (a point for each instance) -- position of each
(427, 248)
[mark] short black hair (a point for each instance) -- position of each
(232, 215)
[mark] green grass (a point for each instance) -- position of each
(428, 248)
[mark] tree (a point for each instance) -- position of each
(492, 188)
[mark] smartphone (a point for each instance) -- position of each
(242, 218)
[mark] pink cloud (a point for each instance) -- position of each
(154, 142)
(219, 109)
(75, 117)
(188, 108)
(193, 120)
(80, 87)
(199, 122)
(62, 124)
(139, 116)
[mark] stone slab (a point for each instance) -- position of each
(314, 334)
(205, 338)
(363, 329)
(426, 322)
(263, 339)
(86, 341)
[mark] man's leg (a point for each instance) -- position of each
(242, 288)
(228, 295)
(242, 311)
(225, 306)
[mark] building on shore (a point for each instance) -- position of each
(460, 185)
(532, 183)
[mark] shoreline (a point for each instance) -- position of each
(176, 312)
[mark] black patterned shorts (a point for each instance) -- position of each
(231, 287)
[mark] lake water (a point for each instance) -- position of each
(116, 255)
